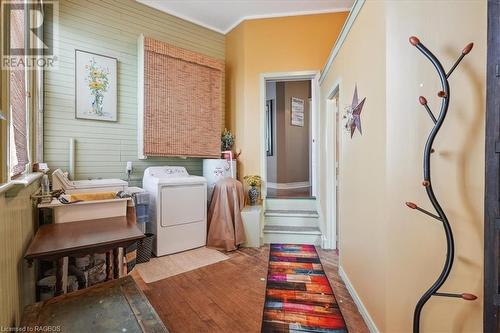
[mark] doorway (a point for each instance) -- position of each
(332, 144)
(289, 135)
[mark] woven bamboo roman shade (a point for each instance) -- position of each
(182, 101)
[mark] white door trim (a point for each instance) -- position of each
(289, 76)
(330, 128)
(311, 149)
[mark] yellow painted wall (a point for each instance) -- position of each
(258, 46)
(392, 254)
(362, 238)
(235, 82)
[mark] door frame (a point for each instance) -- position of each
(492, 179)
(312, 75)
(330, 153)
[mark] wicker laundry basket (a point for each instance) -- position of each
(144, 248)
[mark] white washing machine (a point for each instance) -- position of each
(178, 209)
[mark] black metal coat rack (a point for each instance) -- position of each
(444, 94)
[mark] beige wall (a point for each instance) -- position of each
(295, 43)
(17, 280)
(392, 254)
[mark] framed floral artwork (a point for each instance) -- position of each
(95, 86)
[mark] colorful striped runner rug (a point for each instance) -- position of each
(299, 297)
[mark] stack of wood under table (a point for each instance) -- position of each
(57, 242)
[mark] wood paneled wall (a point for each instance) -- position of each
(110, 27)
(17, 280)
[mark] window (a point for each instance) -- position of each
(18, 116)
(182, 106)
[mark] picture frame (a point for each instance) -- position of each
(297, 112)
(269, 127)
(95, 86)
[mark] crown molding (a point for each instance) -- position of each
(184, 17)
(244, 18)
(353, 14)
(276, 15)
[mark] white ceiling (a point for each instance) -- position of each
(223, 15)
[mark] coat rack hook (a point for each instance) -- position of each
(423, 101)
(414, 206)
(464, 296)
(442, 94)
(465, 51)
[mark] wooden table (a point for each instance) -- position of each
(113, 306)
(54, 242)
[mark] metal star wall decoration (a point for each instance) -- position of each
(354, 114)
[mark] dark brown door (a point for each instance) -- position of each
(492, 193)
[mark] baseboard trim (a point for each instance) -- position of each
(288, 186)
(326, 244)
(361, 307)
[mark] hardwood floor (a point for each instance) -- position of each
(229, 296)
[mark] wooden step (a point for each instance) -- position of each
(305, 218)
(292, 213)
(307, 204)
(292, 230)
(291, 234)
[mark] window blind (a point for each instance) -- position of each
(17, 92)
(182, 101)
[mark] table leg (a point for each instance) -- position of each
(65, 265)
(116, 263)
(108, 265)
(58, 264)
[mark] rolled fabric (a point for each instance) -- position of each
(92, 196)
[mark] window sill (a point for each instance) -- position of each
(5, 187)
(21, 182)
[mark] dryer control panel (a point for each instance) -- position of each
(167, 171)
